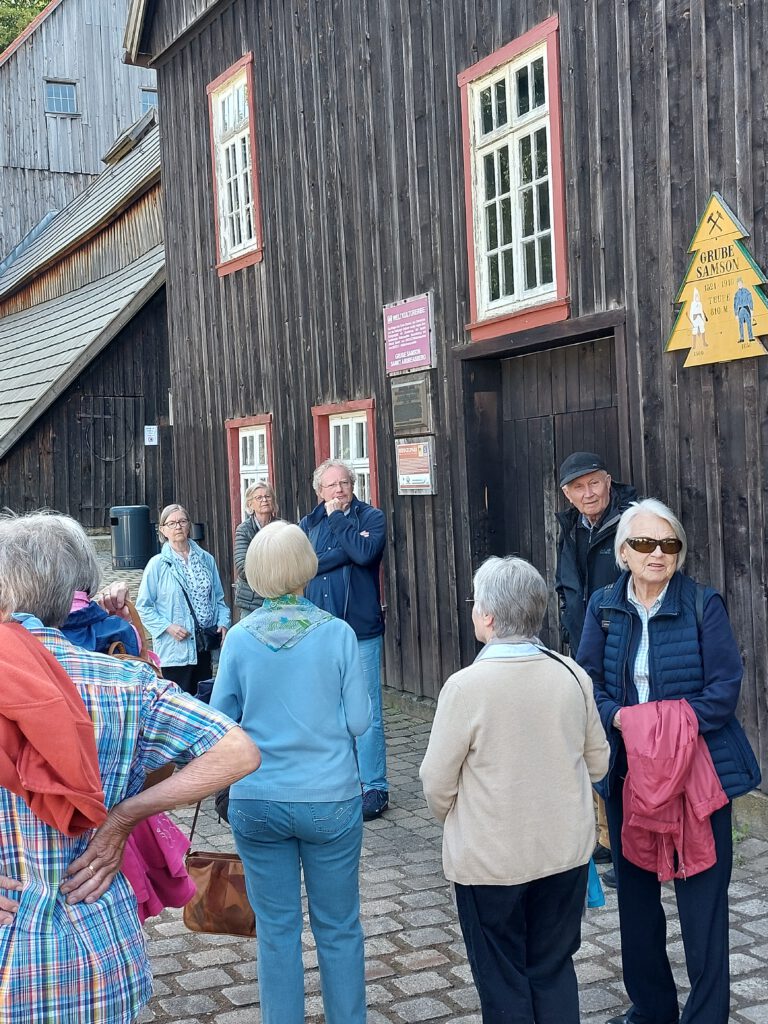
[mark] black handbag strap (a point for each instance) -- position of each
(198, 627)
(194, 822)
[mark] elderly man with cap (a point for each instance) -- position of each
(586, 561)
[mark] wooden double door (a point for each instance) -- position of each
(541, 407)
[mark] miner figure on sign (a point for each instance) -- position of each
(743, 305)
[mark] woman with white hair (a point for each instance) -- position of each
(84, 730)
(667, 670)
(261, 505)
(181, 602)
(515, 745)
(290, 674)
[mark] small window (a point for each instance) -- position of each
(254, 464)
(349, 442)
(148, 100)
(235, 181)
(61, 98)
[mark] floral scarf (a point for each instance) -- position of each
(282, 622)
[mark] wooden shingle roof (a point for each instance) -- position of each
(114, 189)
(43, 349)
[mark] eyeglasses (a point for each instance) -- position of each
(645, 545)
(337, 483)
(175, 524)
(262, 497)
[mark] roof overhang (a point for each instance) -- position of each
(52, 343)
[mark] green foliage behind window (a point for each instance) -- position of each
(15, 15)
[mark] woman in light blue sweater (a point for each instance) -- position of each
(290, 675)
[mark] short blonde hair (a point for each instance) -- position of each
(262, 485)
(280, 560)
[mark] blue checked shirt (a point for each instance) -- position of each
(640, 673)
(87, 964)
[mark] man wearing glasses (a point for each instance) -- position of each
(585, 562)
(349, 537)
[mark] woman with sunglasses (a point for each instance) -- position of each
(180, 600)
(657, 635)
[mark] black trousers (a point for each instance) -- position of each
(520, 942)
(188, 676)
(702, 903)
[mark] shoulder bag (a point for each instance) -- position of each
(220, 905)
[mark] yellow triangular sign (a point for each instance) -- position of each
(724, 310)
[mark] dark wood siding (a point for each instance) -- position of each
(363, 202)
(86, 453)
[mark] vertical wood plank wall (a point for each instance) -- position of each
(86, 453)
(46, 160)
(362, 190)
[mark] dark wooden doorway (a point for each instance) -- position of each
(554, 402)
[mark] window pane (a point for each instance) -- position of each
(336, 448)
(60, 98)
(493, 277)
(490, 176)
(526, 197)
(148, 100)
(243, 450)
(491, 227)
(541, 153)
(523, 99)
(509, 273)
(501, 103)
(543, 203)
(360, 431)
(530, 264)
(262, 449)
(545, 258)
(345, 439)
(526, 171)
(504, 182)
(506, 222)
(538, 82)
(486, 111)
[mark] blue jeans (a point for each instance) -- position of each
(371, 746)
(275, 841)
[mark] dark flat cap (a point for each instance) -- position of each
(579, 463)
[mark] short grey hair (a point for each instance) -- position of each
(323, 468)
(280, 560)
(261, 485)
(44, 557)
(514, 593)
(653, 507)
(165, 516)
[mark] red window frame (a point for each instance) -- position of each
(256, 254)
(321, 415)
(232, 428)
(551, 310)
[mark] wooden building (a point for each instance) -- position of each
(84, 349)
(538, 169)
(65, 96)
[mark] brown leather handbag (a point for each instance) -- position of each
(220, 906)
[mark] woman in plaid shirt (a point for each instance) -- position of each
(71, 946)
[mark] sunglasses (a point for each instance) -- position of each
(645, 545)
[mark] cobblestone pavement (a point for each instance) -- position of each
(416, 964)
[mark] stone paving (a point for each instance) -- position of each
(416, 963)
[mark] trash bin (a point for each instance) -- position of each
(133, 543)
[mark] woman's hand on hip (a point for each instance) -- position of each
(8, 907)
(93, 872)
(177, 632)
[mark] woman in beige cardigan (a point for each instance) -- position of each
(515, 745)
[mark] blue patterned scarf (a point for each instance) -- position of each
(282, 622)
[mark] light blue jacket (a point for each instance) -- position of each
(161, 603)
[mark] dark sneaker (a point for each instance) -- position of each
(622, 1018)
(609, 878)
(601, 855)
(375, 802)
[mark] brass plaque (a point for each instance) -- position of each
(412, 405)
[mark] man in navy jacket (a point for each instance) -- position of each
(349, 537)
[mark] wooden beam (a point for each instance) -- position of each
(565, 333)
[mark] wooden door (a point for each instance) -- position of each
(111, 456)
(554, 402)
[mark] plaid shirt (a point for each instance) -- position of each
(640, 672)
(87, 964)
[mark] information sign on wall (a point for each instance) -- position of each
(408, 334)
(724, 311)
(415, 460)
(412, 404)
(150, 435)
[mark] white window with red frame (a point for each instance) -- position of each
(515, 194)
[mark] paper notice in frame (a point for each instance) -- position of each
(415, 461)
(150, 435)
